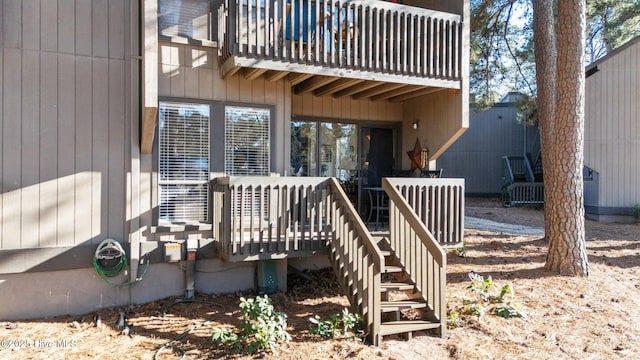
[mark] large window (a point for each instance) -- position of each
(324, 149)
(247, 140)
(183, 153)
(196, 140)
(185, 18)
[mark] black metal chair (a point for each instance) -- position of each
(378, 203)
(434, 174)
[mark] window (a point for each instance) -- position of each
(185, 18)
(247, 141)
(324, 149)
(183, 151)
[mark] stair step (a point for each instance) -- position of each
(389, 306)
(391, 286)
(399, 327)
(392, 269)
(385, 252)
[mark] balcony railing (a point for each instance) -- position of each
(364, 35)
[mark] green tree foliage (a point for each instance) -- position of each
(610, 23)
(502, 54)
(501, 50)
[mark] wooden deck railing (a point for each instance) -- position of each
(270, 217)
(366, 35)
(356, 259)
(273, 217)
(438, 203)
(519, 186)
(418, 251)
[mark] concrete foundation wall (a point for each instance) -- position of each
(41, 294)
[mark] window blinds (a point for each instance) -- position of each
(183, 149)
(247, 141)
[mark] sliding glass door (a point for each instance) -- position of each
(324, 149)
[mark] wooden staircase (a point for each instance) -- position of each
(396, 283)
(520, 184)
(402, 305)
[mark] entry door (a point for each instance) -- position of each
(378, 149)
(378, 155)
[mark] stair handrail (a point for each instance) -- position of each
(529, 171)
(507, 172)
(361, 277)
(410, 253)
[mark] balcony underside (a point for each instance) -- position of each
(364, 49)
(337, 82)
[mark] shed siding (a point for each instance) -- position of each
(65, 111)
(476, 156)
(612, 138)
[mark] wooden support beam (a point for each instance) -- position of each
(148, 129)
(336, 86)
(273, 75)
(296, 78)
(312, 84)
(357, 88)
(150, 76)
(414, 94)
(377, 90)
(253, 73)
(396, 92)
(229, 68)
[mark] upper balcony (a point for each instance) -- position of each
(359, 48)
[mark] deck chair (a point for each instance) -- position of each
(434, 174)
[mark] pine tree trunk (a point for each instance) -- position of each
(567, 248)
(545, 56)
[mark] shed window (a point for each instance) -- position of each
(183, 174)
(185, 18)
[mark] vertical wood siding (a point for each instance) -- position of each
(612, 135)
(191, 72)
(345, 108)
(441, 122)
(476, 155)
(64, 77)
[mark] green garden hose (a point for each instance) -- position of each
(110, 260)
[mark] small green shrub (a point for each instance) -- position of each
(475, 309)
(510, 311)
(337, 325)
(224, 337)
(484, 300)
(454, 319)
(480, 286)
(262, 328)
(462, 250)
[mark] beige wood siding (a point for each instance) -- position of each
(612, 134)
(192, 72)
(441, 122)
(345, 108)
(66, 103)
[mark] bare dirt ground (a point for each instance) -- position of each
(567, 318)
